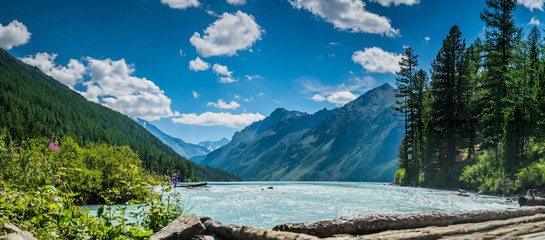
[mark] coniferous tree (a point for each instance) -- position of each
(501, 34)
(404, 94)
(450, 95)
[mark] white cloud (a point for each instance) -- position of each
(318, 98)
(223, 105)
(222, 70)
(69, 75)
(250, 78)
(427, 39)
(534, 21)
(195, 94)
(348, 15)
(219, 119)
(181, 4)
(377, 60)
(532, 4)
(181, 52)
(109, 83)
(260, 94)
(198, 65)
(14, 34)
(341, 98)
(237, 2)
(387, 3)
(226, 80)
(227, 35)
(113, 85)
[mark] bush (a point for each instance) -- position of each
(532, 176)
(487, 175)
(399, 176)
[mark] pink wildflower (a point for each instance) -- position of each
(51, 146)
(57, 149)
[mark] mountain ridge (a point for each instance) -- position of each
(356, 142)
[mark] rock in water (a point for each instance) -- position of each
(185, 227)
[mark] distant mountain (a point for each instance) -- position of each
(187, 150)
(357, 142)
(213, 145)
(34, 104)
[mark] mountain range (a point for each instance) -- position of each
(33, 104)
(357, 142)
(187, 150)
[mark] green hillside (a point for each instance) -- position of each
(34, 104)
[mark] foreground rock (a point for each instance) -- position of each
(531, 201)
(185, 227)
(15, 233)
(372, 223)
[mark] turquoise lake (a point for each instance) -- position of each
(253, 204)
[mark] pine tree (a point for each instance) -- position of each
(409, 95)
(450, 95)
(501, 34)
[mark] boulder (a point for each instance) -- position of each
(185, 227)
(11, 228)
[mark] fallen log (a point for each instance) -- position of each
(229, 231)
(372, 223)
(194, 185)
(531, 201)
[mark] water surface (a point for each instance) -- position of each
(253, 204)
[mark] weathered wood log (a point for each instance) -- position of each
(372, 223)
(185, 227)
(531, 201)
(234, 232)
(483, 230)
(194, 185)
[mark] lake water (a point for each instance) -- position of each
(253, 204)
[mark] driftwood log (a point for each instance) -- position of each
(531, 201)
(229, 231)
(372, 223)
(194, 185)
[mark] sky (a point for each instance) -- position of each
(203, 69)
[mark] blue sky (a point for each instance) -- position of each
(203, 69)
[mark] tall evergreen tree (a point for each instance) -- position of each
(450, 95)
(501, 34)
(409, 98)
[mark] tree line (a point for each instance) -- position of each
(478, 119)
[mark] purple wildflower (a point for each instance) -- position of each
(43, 159)
(51, 146)
(57, 149)
(175, 180)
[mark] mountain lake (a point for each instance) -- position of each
(267, 204)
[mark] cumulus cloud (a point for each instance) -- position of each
(14, 34)
(377, 60)
(427, 39)
(387, 3)
(181, 4)
(348, 15)
(227, 35)
(69, 75)
(222, 70)
(237, 2)
(219, 119)
(223, 105)
(534, 21)
(195, 94)
(109, 83)
(341, 98)
(198, 65)
(318, 98)
(532, 4)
